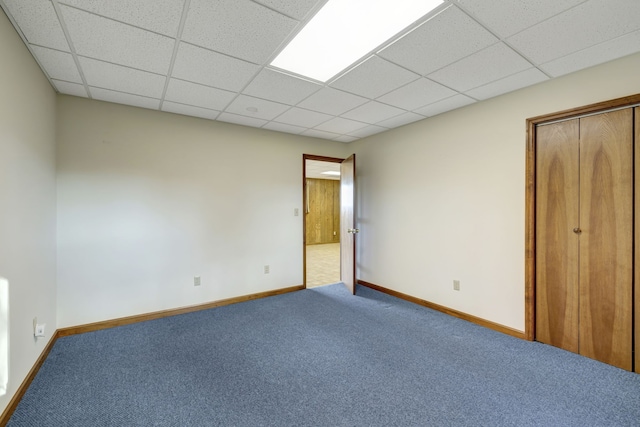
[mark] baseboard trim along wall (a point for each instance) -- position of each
(455, 313)
(74, 330)
(13, 403)
(81, 329)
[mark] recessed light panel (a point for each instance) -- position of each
(343, 31)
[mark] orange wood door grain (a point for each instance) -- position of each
(347, 222)
(323, 200)
(606, 241)
(557, 214)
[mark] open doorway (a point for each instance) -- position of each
(321, 220)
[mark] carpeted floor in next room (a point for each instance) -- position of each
(321, 357)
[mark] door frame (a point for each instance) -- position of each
(306, 157)
(530, 202)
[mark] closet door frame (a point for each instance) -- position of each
(530, 208)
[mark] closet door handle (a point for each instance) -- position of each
(577, 230)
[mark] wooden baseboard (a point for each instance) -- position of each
(90, 327)
(74, 330)
(13, 403)
(455, 313)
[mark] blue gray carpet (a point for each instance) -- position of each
(321, 357)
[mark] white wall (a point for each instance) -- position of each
(148, 200)
(27, 202)
(444, 198)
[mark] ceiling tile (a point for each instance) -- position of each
(450, 59)
(315, 133)
(122, 79)
(367, 131)
(241, 120)
(300, 117)
(374, 77)
(514, 82)
(198, 95)
(332, 101)
(373, 112)
(67, 88)
(124, 98)
(447, 37)
(39, 23)
(189, 110)
(160, 16)
(280, 87)
(315, 169)
(282, 127)
(341, 125)
(239, 28)
(417, 94)
(401, 120)
(603, 52)
(111, 41)
(507, 17)
(448, 104)
(256, 107)
(58, 65)
(488, 65)
(296, 9)
(583, 26)
(346, 138)
(212, 69)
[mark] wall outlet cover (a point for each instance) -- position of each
(39, 330)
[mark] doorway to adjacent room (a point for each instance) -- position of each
(322, 221)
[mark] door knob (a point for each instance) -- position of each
(577, 230)
(353, 230)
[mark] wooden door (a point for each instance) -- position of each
(323, 200)
(637, 240)
(557, 193)
(348, 229)
(606, 242)
(584, 236)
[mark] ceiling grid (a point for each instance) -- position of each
(210, 58)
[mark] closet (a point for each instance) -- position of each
(584, 235)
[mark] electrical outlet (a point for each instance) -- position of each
(38, 328)
(456, 285)
(39, 331)
(266, 269)
(196, 281)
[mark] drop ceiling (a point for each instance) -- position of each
(315, 169)
(210, 58)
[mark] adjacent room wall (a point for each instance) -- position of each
(27, 203)
(148, 200)
(443, 199)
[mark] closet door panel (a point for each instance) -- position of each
(557, 186)
(637, 238)
(606, 241)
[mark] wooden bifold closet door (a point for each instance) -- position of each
(637, 242)
(584, 236)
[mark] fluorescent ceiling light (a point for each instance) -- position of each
(334, 173)
(343, 31)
